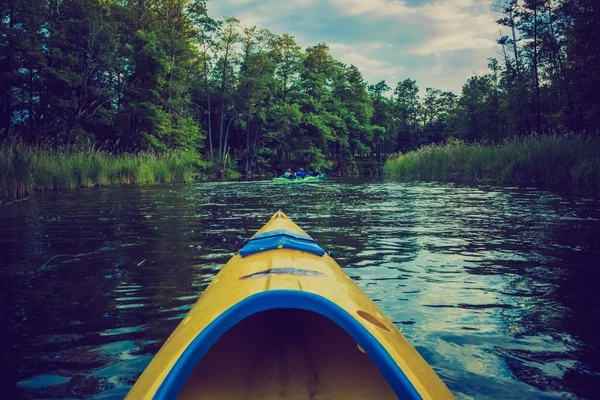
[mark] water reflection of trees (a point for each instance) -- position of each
(548, 257)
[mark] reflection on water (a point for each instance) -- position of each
(496, 287)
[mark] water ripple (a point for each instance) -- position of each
(495, 287)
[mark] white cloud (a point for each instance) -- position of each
(452, 42)
(445, 25)
(371, 68)
(443, 72)
(249, 18)
(374, 45)
(259, 11)
(459, 28)
(375, 7)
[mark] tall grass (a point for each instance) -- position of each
(24, 169)
(542, 160)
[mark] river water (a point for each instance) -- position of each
(497, 288)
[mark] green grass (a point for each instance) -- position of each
(540, 160)
(24, 169)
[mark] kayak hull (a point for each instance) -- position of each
(282, 319)
(298, 180)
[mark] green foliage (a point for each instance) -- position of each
(161, 75)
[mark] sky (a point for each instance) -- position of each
(439, 43)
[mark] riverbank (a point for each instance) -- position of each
(24, 169)
(572, 160)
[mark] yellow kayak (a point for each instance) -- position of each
(281, 320)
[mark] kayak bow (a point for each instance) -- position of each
(282, 320)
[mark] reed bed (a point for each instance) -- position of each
(572, 160)
(24, 169)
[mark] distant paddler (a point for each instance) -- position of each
(289, 174)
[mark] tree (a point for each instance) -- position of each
(509, 8)
(288, 57)
(257, 78)
(530, 26)
(320, 127)
(582, 52)
(380, 120)
(438, 107)
(230, 36)
(478, 111)
(407, 109)
(206, 37)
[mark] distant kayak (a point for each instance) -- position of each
(282, 320)
(299, 180)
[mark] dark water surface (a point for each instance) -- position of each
(498, 288)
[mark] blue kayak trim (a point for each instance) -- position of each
(282, 232)
(278, 299)
(281, 239)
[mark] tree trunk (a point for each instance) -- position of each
(506, 64)
(248, 141)
(226, 136)
(210, 143)
(515, 47)
(31, 120)
(169, 79)
(6, 112)
(6, 109)
(254, 145)
(538, 111)
(223, 84)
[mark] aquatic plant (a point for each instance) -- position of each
(544, 160)
(24, 168)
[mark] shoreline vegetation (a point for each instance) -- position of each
(24, 169)
(568, 160)
(557, 160)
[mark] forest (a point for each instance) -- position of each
(159, 76)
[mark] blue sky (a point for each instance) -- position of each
(440, 43)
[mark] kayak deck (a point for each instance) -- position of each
(283, 320)
(290, 354)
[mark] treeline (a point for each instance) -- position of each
(160, 75)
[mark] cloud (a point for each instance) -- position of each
(452, 42)
(445, 25)
(375, 45)
(371, 68)
(440, 43)
(375, 7)
(458, 28)
(240, 2)
(250, 18)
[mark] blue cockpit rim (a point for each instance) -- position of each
(282, 232)
(278, 299)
